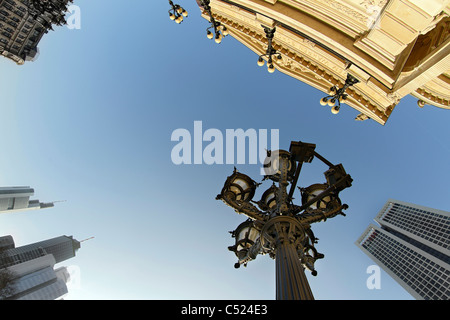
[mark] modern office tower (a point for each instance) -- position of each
(412, 244)
(394, 48)
(18, 199)
(24, 22)
(30, 270)
(37, 280)
(62, 248)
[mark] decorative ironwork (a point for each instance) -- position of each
(177, 13)
(336, 95)
(270, 33)
(279, 227)
(220, 30)
(49, 12)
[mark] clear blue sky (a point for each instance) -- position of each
(91, 120)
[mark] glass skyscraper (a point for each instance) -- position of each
(31, 266)
(62, 248)
(37, 280)
(412, 244)
(18, 199)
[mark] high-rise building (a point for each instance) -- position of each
(24, 22)
(18, 199)
(30, 269)
(412, 244)
(394, 48)
(37, 280)
(62, 248)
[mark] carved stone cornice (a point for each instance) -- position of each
(321, 41)
(305, 61)
(429, 96)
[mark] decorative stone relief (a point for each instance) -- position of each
(322, 65)
(373, 9)
(373, 3)
(346, 10)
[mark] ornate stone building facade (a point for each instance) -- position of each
(24, 22)
(394, 48)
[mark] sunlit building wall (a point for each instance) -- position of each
(395, 48)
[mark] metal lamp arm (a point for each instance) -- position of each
(174, 6)
(251, 253)
(318, 215)
(242, 207)
(214, 25)
(326, 192)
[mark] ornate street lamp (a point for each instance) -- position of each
(336, 96)
(239, 187)
(278, 227)
(246, 236)
(270, 50)
(313, 191)
(220, 30)
(176, 13)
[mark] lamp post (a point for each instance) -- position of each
(270, 33)
(278, 227)
(176, 13)
(220, 30)
(336, 96)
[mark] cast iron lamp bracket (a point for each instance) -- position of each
(338, 95)
(177, 12)
(219, 30)
(270, 33)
